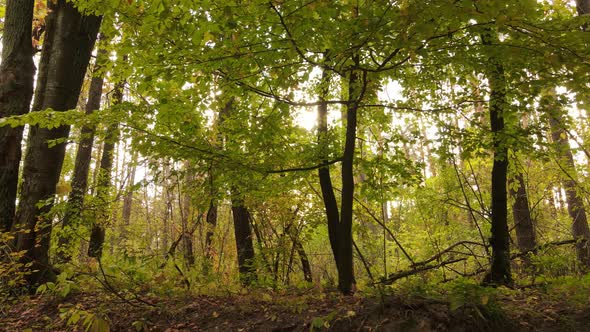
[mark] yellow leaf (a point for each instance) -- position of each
(485, 299)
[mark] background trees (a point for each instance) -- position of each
(252, 133)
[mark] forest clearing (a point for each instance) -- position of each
(294, 165)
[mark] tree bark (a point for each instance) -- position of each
(243, 235)
(575, 203)
(103, 186)
(583, 7)
(211, 224)
(128, 202)
(16, 91)
(213, 190)
(346, 268)
(187, 238)
(329, 198)
(66, 52)
(305, 265)
(523, 222)
(340, 224)
(74, 206)
(103, 194)
(499, 273)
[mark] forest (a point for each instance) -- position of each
(294, 165)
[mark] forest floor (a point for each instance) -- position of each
(529, 310)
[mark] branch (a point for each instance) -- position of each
(304, 168)
(213, 155)
(544, 246)
(449, 249)
(395, 276)
(386, 229)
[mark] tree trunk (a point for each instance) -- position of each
(346, 269)
(500, 239)
(244, 245)
(128, 201)
(187, 237)
(74, 206)
(583, 7)
(66, 52)
(16, 90)
(211, 224)
(329, 198)
(103, 194)
(304, 262)
(103, 186)
(523, 223)
(575, 204)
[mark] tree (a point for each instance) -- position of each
(243, 235)
(66, 52)
(523, 222)
(575, 204)
(75, 204)
(500, 240)
(103, 185)
(16, 90)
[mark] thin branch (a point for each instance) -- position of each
(395, 276)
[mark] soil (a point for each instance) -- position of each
(268, 311)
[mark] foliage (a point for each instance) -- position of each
(75, 316)
(214, 94)
(12, 272)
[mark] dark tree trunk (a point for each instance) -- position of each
(306, 267)
(244, 245)
(499, 273)
(168, 213)
(329, 198)
(523, 222)
(583, 7)
(575, 203)
(103, 186)
(16, 90)
(66, 52)
(340, 224)
(211, 224)
(103, 194)
(71, 219)
(346, 269)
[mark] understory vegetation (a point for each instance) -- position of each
(290, 165)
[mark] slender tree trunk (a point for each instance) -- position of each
(168, 215)
(500, 240)
(329, 198)
(66, 52)
(16, 90)
(523, 222)
(74, 206)
(211, 224)
(243, 235)
(262, 246)
(575, 203)
(103, 187)
(340, 226)
(128, 201)
(346, 268)
(97, 156)
(187, 237)
(305, 265)
(103, 194)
